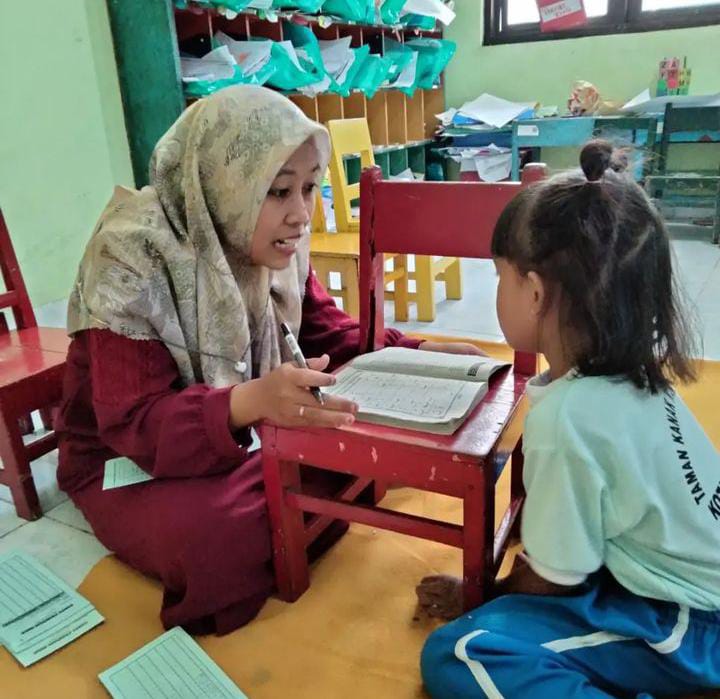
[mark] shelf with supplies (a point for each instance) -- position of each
(150, 36)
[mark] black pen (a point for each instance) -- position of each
(299, 358)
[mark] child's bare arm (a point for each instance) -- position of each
(523, 580)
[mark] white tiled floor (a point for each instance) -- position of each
(63, 539)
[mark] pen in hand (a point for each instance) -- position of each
(299, 358)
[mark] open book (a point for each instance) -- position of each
(417, 390)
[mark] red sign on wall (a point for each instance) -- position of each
(556, 15)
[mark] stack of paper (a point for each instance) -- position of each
(315, 88)
(494, 111)
(251, 56)
(644, 104)
(407, 74)
(219, 64)
(39, 613)
(338, 58)
(172, 665)
(491, 163)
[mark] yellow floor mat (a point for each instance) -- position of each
(352, 635)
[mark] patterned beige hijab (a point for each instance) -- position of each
(171, 262)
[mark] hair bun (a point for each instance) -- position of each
(595, 158)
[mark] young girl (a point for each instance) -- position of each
(620, 590)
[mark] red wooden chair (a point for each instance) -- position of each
(453, 219)
(32, 363)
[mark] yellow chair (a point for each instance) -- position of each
(335, 252)
(338, 252)
(352, 136)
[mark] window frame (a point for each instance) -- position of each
(623, 17)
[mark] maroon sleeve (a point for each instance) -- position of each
(325, 329)
(143, 413)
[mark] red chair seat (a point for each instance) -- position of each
(46, 339)
(18, 363)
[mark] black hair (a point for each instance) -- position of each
(596, 239)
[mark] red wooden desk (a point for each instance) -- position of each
(463, 465)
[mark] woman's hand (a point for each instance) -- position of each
(452, 348)
(283, 396)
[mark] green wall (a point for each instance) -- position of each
(62, 136)
(620, 66)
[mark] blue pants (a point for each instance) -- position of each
(603, 642)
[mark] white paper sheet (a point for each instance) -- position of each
(216, 65)
(317, 88)
(403, 176)
(493, 167)
(494, 111)
(122, 472)
(657, 105)
(407, 74)
(336, 54)
(429, 8)
(288, 46)
(251, 56)
(447, 116)
(643, 97)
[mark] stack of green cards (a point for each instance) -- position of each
(39, 613)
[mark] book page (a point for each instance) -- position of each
(411, 398)
(441, 365)
(121, 472)
(173, 665)
(39, 613)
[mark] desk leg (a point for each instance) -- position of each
(288, 528)
(517, 489)
(478, 525)
(716, 225)
(401, 289)
(379, 491)
(350, 282)
(515, 167)
(17, 474)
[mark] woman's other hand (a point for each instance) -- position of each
(451, 348)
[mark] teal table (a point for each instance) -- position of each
(557, 132)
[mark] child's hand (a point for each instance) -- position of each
(451, 348)
(441, 596)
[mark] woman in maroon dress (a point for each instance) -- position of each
(177, 350)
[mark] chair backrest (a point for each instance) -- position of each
(16, 296)
(348, 137)
(452, 219)
(690, 120)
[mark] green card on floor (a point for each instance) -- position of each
(173, 665)
(121, 472)
(39, 613)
